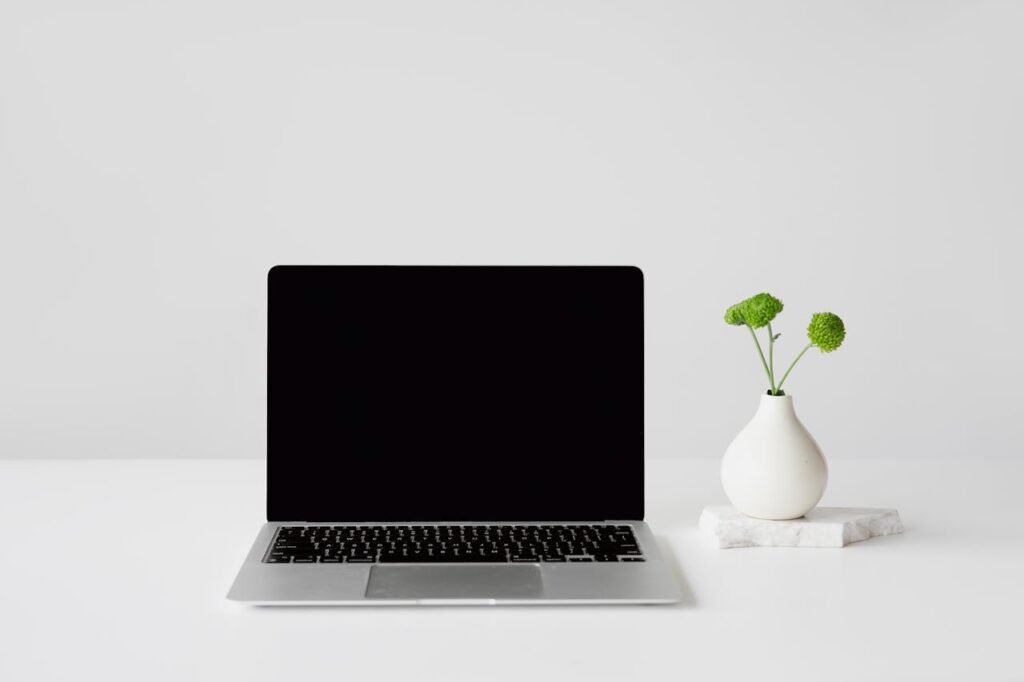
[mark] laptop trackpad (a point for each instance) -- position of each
(454, 582)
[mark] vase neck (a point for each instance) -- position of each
(776, 406)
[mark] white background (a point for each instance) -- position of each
(862, 157)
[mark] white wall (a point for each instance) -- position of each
(861, 157)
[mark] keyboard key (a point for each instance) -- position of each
(427, 559)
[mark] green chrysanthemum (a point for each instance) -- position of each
(757, 311)
(734, 314)
(826, 331)
(760, 309)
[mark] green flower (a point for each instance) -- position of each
(757, 311)
(826, 331)
(760, 309)
(734, 314)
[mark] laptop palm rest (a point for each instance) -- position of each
(454, 582)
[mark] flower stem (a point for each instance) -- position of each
(771, 357)
(793, 364)
(760, 352)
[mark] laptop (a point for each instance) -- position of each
(455, 435)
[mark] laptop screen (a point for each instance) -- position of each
(408, 393)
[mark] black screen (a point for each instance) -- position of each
(455, 393)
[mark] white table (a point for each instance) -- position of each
(117, 570)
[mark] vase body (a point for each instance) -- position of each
(774, 469)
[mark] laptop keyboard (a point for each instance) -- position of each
(452, 544)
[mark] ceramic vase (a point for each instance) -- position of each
(774, 469)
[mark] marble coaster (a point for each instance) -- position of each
(821, 527)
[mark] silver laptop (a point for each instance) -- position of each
(455, 435)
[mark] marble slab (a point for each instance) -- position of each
(820, 527)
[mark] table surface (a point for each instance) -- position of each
(117, 570)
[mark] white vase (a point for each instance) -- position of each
(773, 469)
